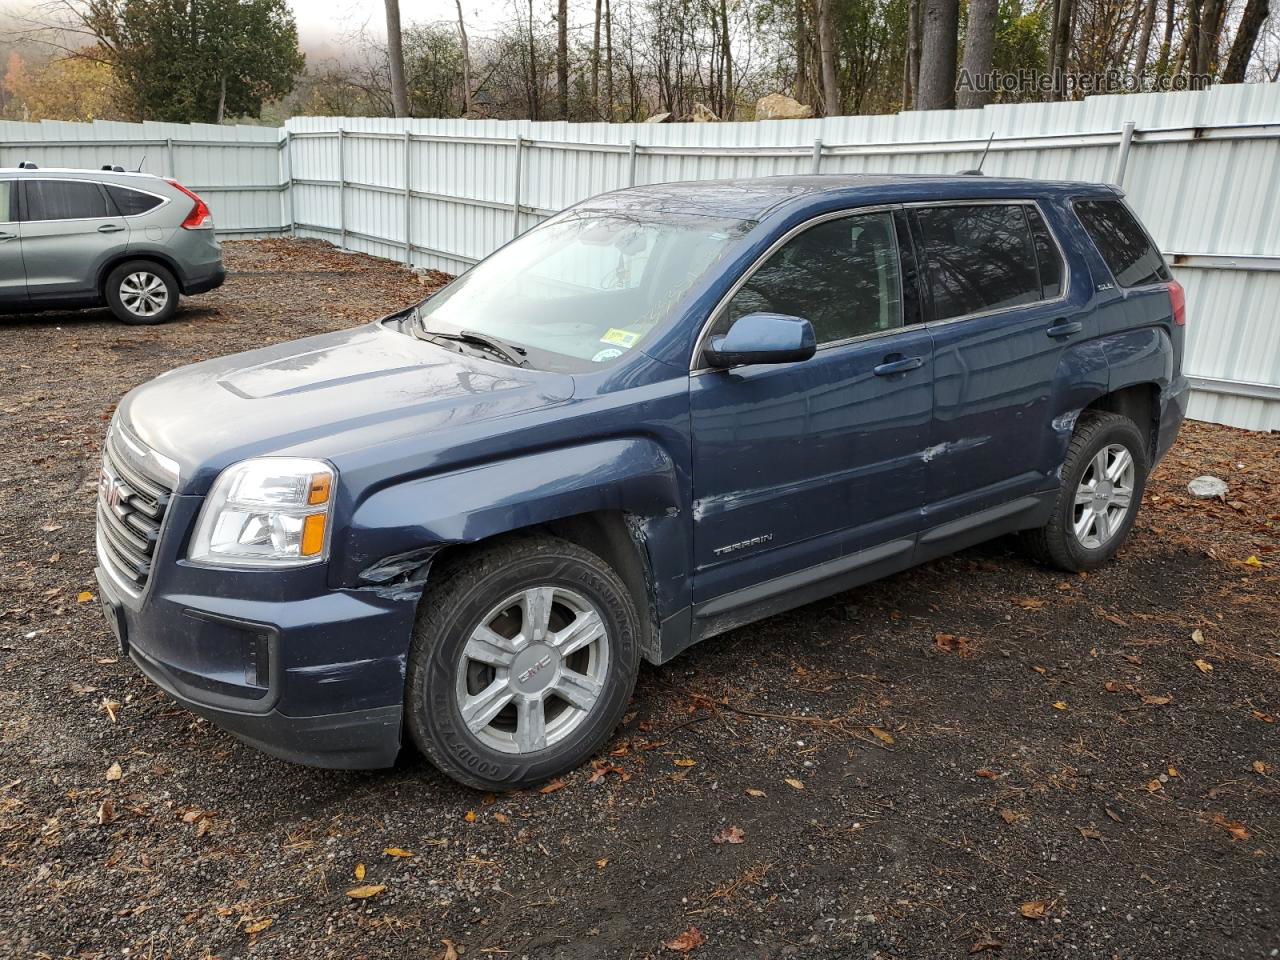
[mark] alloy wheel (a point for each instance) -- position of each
(1104, 496)
(143, 293)
(532, 670)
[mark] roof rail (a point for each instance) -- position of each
(116, 168)
(27, 165)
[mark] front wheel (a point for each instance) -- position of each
(522, 663)
(1103, 477)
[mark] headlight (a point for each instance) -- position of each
(269, 512)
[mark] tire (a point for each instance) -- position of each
(1070, 540)
(142, 292)
(504, 680)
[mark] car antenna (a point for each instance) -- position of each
(144, 160)
(977, 171)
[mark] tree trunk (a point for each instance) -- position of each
(802, 60)
(595, 62)
(827, 58)
(979, 51)
(939, 23)
(608, 59)
(1061, 48)
(466, 61)
(730, 104)
(562, 57)
(1144, 38)
(222, 98)
(1255, 15)
(1166, 44)
(1207, 41)
(533, 70)
(395, 57)
(911, 66)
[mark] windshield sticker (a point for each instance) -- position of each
(622, 338)
(611, 353)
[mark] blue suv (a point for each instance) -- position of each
(662, 414)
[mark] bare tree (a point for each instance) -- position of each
(728, 102)
(395, 58)
(1061, 47)
(939, 26)
(562, 57)
(1255, 15)
(595, 62)
(1144, 38)
(979, 51)
(911, 62)
(608, 58)
(827, 59)
(466, 61)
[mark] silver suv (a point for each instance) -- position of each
(82, 238)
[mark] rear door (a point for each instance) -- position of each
(997, 280)
(70, 228)
(797, 464)
(13, 277)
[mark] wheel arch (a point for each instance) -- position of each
(142, 256)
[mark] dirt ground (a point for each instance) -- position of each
(977, 757)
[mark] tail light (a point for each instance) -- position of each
(199, 218)
(1178, 301)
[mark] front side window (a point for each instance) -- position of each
(130, 203)
(65, 200)
(841, 275)
(979, 258)
(585, 287)
(1123, 243)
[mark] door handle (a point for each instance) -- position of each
(110, 228)
(895, 363)
(8, 236)
(1064, 328)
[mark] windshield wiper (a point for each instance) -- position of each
(509, 352)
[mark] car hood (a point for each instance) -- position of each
(325, 396)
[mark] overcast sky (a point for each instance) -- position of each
(322, 22)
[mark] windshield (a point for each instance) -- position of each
(582, 289)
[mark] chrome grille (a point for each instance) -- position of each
(134, 490)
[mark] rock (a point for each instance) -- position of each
(778, 106)
(703, 114)
(658, 118)
(1207, 488)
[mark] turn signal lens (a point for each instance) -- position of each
(319, 492)
(313, 535)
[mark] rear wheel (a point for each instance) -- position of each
(522, 663)
(142, 292)
(1103, 477)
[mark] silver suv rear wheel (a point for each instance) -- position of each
(142, 292)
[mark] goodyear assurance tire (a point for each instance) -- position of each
(522, 663)
(1103, 478)
(142, 292)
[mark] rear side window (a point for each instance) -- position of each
(979, 258)
(1123, 243)
(130, 203)
(7, 211)
(65, 200)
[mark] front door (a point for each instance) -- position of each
(797, 464)
(69, 230)
(13, 276)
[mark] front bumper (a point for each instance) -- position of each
(317, 680)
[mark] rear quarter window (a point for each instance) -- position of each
(1124, 245)
(129, 202)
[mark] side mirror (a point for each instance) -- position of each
(762, 338)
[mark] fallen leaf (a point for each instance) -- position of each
(1089, 833)
(469, 816)
(553, 786)
(397, 852)
(1113, 815)
(488, 800)
(359, 871)
(884, 736)
(1259, 767)
(80, 688)
(1112, 687)
(450, 950)
(259, 925)
(1264, 717)
(84, 596)
(602, 863)
(1253, 561)
(989, 774)
(106, 812)
(1154, 786)
(1060, 705)
(1030, 603)
(114, 772)
(798, 784)
(367, 891)
(686, 762)
(1039, 669)
(501, 817)
(1034, 909)
(730, 835)
(1233, 827)
(986, 943)
(691, 939)
(1154, 701)
(1204, 666)
(1010, 816)
(1197, 636)
(1173, 771)
(110, 706)
(753, 792)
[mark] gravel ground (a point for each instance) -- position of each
(979, 756)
